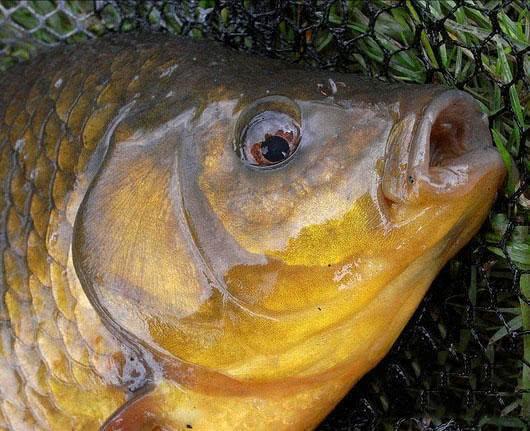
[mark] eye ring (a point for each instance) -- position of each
(268, 132)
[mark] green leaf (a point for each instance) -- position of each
(516, 106)
(503, 421)
(514, 324)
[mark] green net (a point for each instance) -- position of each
(463, 362)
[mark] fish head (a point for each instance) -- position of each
(270, 224)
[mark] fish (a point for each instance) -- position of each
(196, 238)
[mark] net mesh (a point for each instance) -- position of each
(460, 363)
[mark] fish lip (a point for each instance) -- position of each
(468, 142)
(420, 155)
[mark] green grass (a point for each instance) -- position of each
(478, 47)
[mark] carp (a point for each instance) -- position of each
(193, 238)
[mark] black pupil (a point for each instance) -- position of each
(275, 149)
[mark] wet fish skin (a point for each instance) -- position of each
(131, 142)
(56, 359)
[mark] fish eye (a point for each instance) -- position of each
(268, 132)
(270, 138)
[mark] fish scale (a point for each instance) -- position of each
(51, 365)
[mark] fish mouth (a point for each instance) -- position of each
(450, 149)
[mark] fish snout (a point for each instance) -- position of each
(445, 151)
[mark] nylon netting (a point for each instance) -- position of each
(460, 364)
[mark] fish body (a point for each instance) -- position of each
(191, 238)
